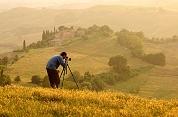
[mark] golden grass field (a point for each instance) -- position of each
(41, 102)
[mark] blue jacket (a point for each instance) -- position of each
(55, 62)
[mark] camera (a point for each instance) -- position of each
(69, 59)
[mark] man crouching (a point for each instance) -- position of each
(52, 67)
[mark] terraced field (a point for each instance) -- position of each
(159, 82)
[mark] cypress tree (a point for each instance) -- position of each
(2, 72)
(44, 35)
(24, 45)
(54, 30)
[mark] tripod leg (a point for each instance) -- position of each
(61, 75)
(73, 76)
(63, 80)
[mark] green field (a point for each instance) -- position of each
(35, 102)
(93, 55)
(87, 55)
(159, 82)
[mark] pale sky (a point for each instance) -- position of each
(58, 3)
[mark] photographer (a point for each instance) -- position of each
(52, 67)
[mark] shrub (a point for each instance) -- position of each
(4, 61)
(119, 64)
(69, 85)
(17, 79)
(77, 76)
(86, 85)
(16, 58)
(45, 82)
(87, 76)
(5, 80)
(98, 84)
(155, 59)
(109, 78)
(36, 79)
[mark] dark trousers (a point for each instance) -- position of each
(53, 78)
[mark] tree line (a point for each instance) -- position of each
(163, 40)
(131, 40)
(134, 42)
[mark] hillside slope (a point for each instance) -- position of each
(159, 82)
(93, 55)
(35, 102)
(87, 55)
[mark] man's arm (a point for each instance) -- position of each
(62, 62)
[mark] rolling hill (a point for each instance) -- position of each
(160, 82)
(35, 102)
(87, 55)
(93, 55)
(27, 23)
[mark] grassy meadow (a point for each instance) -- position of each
(87, 55)
(93, 55)
(33, 102)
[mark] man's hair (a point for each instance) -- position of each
(63, 54)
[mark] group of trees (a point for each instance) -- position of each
(4, 61)
(8, 60)
(100, 31)
(120, 71)
(119, 64)
(89, 81)
(37, 80)
(132, 41)
(156, 59)
(15, 59)
(94, 32)
(78, 32)
(47, 36)
(4, 79)
(24, 47)
(17, 79)
(163, 40)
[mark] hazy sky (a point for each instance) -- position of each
(56, 3)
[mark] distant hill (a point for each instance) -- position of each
(152, 21)
(27, 23)
(24, 24)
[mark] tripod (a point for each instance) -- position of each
(64, 72)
